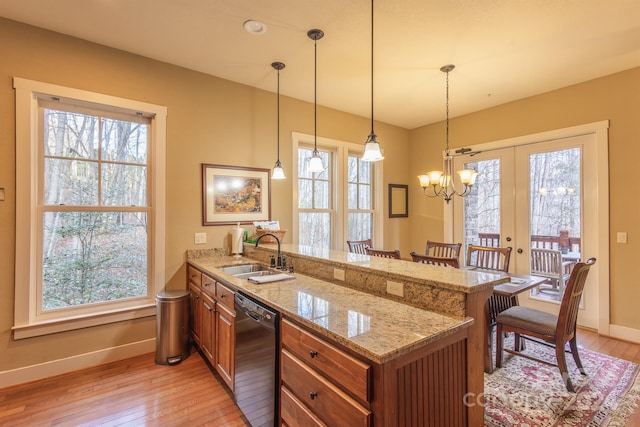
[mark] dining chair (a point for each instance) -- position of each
(489, 258)
(443, 250)
(489, 239)
(359, 246)
(434, 260)
(383, 253)
(549, 263)
(553, 330)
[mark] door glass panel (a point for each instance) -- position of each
(555, 219)
(482, 205)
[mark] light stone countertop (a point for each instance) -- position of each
(377, 328)
(455, 279)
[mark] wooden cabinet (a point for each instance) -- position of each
(213, 323)
(321, 383)
(225, 344)
(195, 313)
(208, 330)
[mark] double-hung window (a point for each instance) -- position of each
(341, 203)
(92, 215)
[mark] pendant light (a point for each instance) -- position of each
(278, 171)
(441, 182)
(315, 163)
(371, 146)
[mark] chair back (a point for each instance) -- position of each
(443, 250)
(359, 246)
(568, 315)
(433, 260)
(383, 253)
(546, 262)
(491, 240)
(489, 258)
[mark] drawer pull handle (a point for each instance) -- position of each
(313, 354)
(313, 395)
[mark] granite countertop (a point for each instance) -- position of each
(455, 279)
(377, 328)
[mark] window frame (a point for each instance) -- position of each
(27, 321)
(339, 199)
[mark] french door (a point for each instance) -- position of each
(541, 192)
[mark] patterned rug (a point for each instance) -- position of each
(527, 393)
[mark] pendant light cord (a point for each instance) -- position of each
(447, 119)
(278, 139)
(371, 66)
(315, 96)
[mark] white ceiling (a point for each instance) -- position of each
(503, 50)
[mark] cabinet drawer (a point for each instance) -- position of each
(343, 369)
(324, 399)
(193, 275)
(208, 285)
(225, 296)
(294, 413)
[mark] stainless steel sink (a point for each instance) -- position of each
(246, 270)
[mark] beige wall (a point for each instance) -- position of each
(615, 98)
(210, 120)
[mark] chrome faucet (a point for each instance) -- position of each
(280, 258)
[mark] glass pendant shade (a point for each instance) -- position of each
(315, 163)
(278, 172)
(372, 150)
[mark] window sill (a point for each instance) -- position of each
(69, 324)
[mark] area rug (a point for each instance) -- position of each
(527, 393)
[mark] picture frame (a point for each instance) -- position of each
(398, 201)
(235, 194)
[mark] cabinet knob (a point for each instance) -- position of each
(313, 354)
(313, 395)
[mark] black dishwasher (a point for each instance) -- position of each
(256, 376)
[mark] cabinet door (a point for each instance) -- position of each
(195, 313)
(207, 337)
(225, 344)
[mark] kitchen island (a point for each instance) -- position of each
(421, 352)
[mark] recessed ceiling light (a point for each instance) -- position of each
(254, 27)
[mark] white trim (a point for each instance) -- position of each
(601, 195)
(624, 333)
(341, 148)
(61, 325)
(27, 93)
(80, 361)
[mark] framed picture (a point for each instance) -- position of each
(233, 194)
(398, 201)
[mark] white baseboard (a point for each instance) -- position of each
(624, 333)
(74, 363)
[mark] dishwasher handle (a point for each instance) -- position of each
(259, 313)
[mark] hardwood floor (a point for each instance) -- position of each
(138, 392)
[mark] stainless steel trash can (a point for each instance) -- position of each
(172, 327)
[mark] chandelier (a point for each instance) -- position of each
(440, 183)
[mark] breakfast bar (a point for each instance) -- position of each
(412, 327)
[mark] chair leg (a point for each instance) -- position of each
(562, 365)
(499, 342)
(576, 357)
(517, 342)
